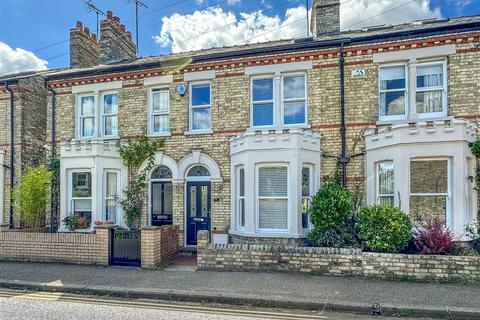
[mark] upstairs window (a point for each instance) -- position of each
(87, 117)
(262, 102)
(200, 107)
(110, 115)
(393, 92)
(294, 102)
(430, 89)
(159, 111)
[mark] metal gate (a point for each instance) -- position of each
(125, 250)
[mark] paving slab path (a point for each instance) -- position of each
(272, 289)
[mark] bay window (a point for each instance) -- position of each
(294, 99)
(86, 117)
(159, 111)
(262, 102)
(393, 92)
(430, 89)
(81, 196)
(200, 107)
(272, 198)
(110, 115)
(385, 184)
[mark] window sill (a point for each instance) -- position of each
(159, 134)
(413, 120)
(197, 132)
(283, 127)
(97, 139)
(264, 234)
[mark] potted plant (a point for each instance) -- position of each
(70, 222)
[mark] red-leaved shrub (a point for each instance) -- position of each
(433, 237)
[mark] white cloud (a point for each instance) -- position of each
(359, 10)
(214, 27)
(233, 2)
(18, 60)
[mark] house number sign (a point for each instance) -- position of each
(358, 73)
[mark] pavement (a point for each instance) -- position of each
(300, 291)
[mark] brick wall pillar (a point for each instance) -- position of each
(203, 239)
(150, 247)
(103, 242)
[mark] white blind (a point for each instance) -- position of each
(160, 101)
(272, 182)
(273, 214)
(273, 211)
(392, 73)
(429, 70)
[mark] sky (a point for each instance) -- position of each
(34, 33)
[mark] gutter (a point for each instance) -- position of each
(344, 160)
(12, 151)
(296, 46)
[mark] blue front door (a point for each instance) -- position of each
(198, 209)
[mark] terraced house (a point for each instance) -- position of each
(250, 131)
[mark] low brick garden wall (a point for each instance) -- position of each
(75, 248)
(331, 261)
(159, 245)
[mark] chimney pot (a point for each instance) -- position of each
(86, 30)
(93, 36)
(129, 35)
(109, 15)
(79, 25)
(122, 27)
(116, 19)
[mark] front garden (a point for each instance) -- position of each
(338, 223)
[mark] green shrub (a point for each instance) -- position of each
(334, 237)
(330, 207)
(330, 212)
(30, 196)
(384, 229)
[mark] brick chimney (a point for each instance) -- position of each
(115, 42)
(325, 17)
(84, 47)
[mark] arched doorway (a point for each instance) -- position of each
(161, 196)
(198, 202)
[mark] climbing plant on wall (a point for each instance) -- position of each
(134, 154)
(475, 148)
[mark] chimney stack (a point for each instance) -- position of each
(84, 48)
(115, 42)
(325, 17)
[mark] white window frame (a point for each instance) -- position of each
(309, 197)
(377, 182)
(104, 116)
(252, 103)
(191, 107)
(444, 89)
(283, 100)
(447, 195)
(380, 91)
(80, 117)
(116, 197)
(239, 197)
(152, 114)
(71, 198)
(258, 198)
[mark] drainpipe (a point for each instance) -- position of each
(344, 160)
(12, 152)
(53, 195)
